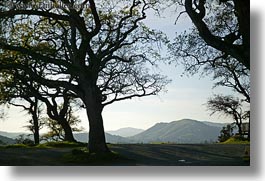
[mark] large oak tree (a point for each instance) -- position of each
(99, 51)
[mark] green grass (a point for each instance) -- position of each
(61, 144)
(236, 140)
(17, 146)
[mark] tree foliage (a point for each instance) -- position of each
(223, 25)
(218, 45)
(215, 24)
(225, 133)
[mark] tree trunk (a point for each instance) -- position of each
(36, 128)
(249, 129)
(67, 130)
(97, 141)
(239, 129)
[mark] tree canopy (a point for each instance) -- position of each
(218, 44)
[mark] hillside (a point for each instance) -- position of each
(83, 137)
(6, 141)
(221, 125)
(126, 132)
(12, 135)
(183, 131)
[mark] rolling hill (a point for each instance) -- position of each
(83, 137)
(6, 141)
(12, 135)
(182, 131)
(126, 132)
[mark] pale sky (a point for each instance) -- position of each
(184, 98)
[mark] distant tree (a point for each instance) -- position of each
(14, 93)
(62, 114)
(228, 106)
(56, 131)
(100, 52)
(2, 114)
(57, 104)
(2, 143)
(24, 139)
(225, 133)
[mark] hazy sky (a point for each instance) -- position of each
(185, 96)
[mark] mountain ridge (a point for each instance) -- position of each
(6, 140)
(125, 132)
(180, 131)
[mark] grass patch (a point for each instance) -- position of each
(61, 144)
(18, 146)
(236, 140)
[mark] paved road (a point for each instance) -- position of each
(186, 155)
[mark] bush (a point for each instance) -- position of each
(18, 146)
(236, 140)
(22, 139)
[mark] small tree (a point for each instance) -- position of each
(228, 106)
(2, 114)
(13, 92)
(24, 139)
(225, 133)
(56, 131)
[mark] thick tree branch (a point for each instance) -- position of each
(237, 51)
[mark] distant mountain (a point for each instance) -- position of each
(182, 131)
(12, 135)
(6, 141)
(221, 125)
(126, 132)
(83, 137)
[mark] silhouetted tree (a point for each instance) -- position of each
(57, 132)
(228, 106)
(225, 133)
(24, 139)
(12, 92)
(2, 113)
(99, 52)
(57, 104)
